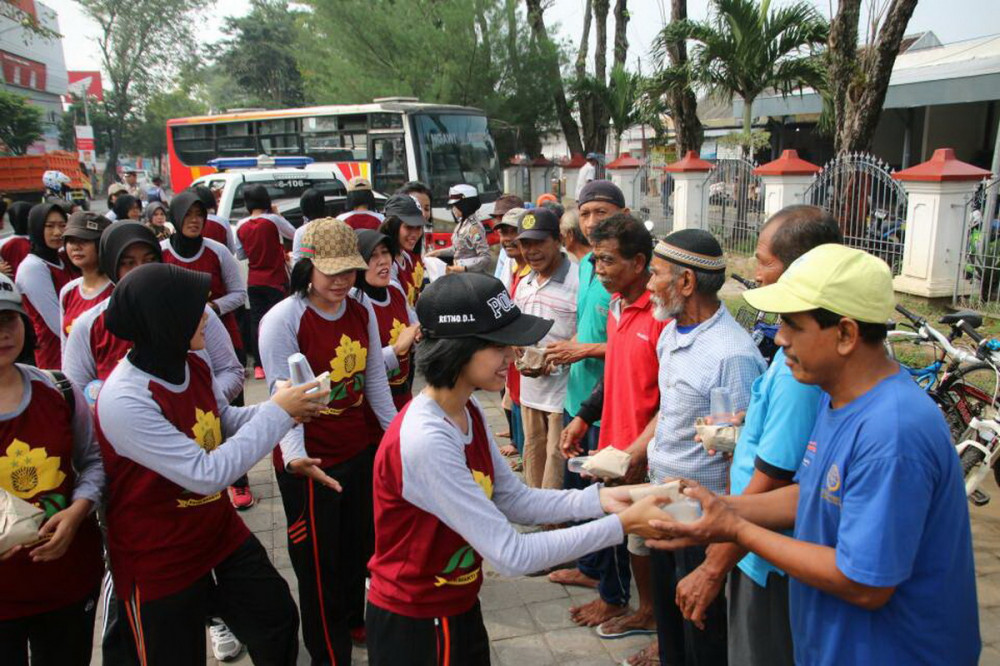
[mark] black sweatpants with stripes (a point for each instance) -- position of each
(398, 640)
(245, 590)
(329, 545)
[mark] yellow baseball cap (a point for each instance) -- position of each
(845, 281)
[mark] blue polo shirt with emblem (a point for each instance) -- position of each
(881, 484)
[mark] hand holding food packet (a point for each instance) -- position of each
(19, 522)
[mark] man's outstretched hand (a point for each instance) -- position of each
(719, 522)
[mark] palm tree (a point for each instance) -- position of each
(745, 48)
(621, 98)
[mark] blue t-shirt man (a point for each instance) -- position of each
(881, 484)
(773, 439)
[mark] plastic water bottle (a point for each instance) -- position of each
(299, 369)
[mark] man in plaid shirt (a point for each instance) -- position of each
(701, 349)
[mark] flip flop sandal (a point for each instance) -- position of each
(653, 659)
(635, 631)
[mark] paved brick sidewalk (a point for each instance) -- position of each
(527, 618)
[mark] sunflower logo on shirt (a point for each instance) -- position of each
(207, 430)
(347, 367)
(485, 482)
(418, 273)
(26, 472)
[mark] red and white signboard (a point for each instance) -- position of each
(88, 83)
(86, 148)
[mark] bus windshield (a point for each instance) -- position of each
(456, 148)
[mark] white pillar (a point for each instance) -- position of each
(781, 191)
(689, 174)
(623, 172)
(689, 200)
(933, 252)
(785, 181)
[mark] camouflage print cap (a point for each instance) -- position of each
(332, 246)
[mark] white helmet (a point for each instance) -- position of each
(54, 180)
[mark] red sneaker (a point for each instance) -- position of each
(358, 636)
(241, 498)
(258, 372)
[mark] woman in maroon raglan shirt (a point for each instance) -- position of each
(17, 246)
(49, 458)
(398, 329)
(171, 444)
(445, 497)
(337, 332)
(41, 276)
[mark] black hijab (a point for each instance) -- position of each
(117, 238)
(123, 204)
(179, 207)
(368, 240)
(36, 231)
(158, 308)
(18, 216)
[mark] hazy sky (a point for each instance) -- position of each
(951, 20)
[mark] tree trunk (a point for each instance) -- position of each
(581, 53)
(688, 130)
(860, 83)
(621, 37)
(569, 127)
(601, 9)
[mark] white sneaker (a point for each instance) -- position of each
(225, 645)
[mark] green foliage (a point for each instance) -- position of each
(469, 52)
(622, 98)
(149, 137)
(756, 140)
(140, 43)
(20, 123)
(260, 56)
(746, 48)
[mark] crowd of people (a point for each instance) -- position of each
(835, 532)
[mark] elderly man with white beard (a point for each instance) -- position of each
(701, 349)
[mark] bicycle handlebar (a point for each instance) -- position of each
(749, 284)
(916, 319)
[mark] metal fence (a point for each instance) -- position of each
(869, 204)
(978, 282)
(733, 205)
(652, 191)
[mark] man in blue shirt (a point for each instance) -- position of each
(773, 440)
(881, 555)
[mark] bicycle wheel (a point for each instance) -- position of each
(970, 458)
(965, 394)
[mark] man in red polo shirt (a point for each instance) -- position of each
(622, 250)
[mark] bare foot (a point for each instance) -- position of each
(647, 657)
(505, 434)
(594, 613)
(641, 621)
(572, 577)
(508, 450)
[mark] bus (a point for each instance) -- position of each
(391, 141)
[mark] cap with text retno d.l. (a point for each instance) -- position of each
(406, 209)
(601, 190)
(538, 224)
(843, 280)
(10, 296)
(472, 305)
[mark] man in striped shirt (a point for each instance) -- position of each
(701, 349)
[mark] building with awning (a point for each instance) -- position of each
(939, 95)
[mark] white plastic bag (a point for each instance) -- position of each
(19, 521)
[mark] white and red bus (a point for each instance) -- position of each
(390, 141)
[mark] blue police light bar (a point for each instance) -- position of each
(263, 161)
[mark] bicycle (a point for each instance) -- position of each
(762, 326)
(978, 457)
(967, 390)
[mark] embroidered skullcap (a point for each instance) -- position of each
(692, 248)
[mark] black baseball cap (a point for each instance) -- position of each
(601, 190)
(538, 224)
(405, 208)
(473, 305)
